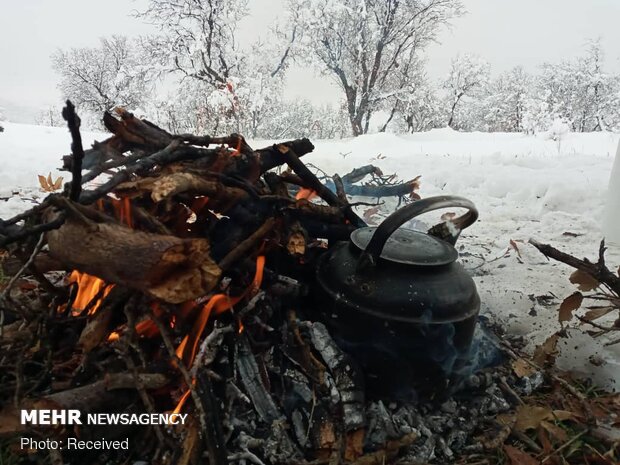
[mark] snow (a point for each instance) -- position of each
(524, 187)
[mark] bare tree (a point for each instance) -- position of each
(97, 78)
(467, 75)
(362, 43)
(232, 89)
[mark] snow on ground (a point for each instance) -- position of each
(524, 186)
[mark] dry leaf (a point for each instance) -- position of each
(569, 305)
(522, 369)
(513, 244)
(58, 184)
(518, 457)
(545, 353)
(369, 213)
(531, 416)
(596, 313)
(448, 216)
(296, 244)
(585, 281)
(43, 182)
(48, 185)
(555, 431)
(544, 440)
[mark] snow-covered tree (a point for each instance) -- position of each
(503, 106)
(49, 116)
(468, 75)
(417, 104)
(362, 43)
(581, 92)
(234, 89)
(98, 78)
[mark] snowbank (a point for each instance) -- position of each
(524, 186)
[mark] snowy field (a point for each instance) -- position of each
(524, 186)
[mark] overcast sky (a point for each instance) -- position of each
(505, 32)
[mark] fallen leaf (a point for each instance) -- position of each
(43, 182)
(48, 185)
(554, 430)
(519, 457)
(531, 416)
(58, 184)
(544, 440)
(514, 246)
(522, 369)
(545, 353)
(369, 213)
(296, 244)
(597, 313)
(448, 216)
(585, 281)
(569, 305)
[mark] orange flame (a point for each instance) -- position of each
(218, 304)
(237, 148)
(182, 400)
(305, 194)
(89, 287)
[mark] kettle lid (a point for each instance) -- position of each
(409, 247)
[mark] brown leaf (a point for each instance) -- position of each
(513, 244)
(369, 213)
(569, 305)
(296, 244)
(531, 416)
(585, 281)
(545, 353)
(597, 313)
(522, 369)
(58, 184)
(448, 216)
(43, 182)
(558, 433)
(48, 185)
(519, 457)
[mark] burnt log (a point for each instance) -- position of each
(166, 267)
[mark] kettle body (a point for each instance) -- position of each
(399, 302)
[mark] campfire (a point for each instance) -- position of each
(176, 277)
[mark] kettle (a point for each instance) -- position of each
(399, 303)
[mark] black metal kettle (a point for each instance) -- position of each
(398, 301)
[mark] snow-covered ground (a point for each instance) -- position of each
(524, 186)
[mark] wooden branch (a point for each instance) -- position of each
(598, 270)
(166, 267)
(302, 171)
(270, 157)
(73, 121)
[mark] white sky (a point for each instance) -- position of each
(505, 32)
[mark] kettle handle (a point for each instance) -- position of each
(450, 234)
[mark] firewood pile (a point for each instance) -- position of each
(173, 276)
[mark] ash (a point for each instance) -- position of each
(304, 401)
